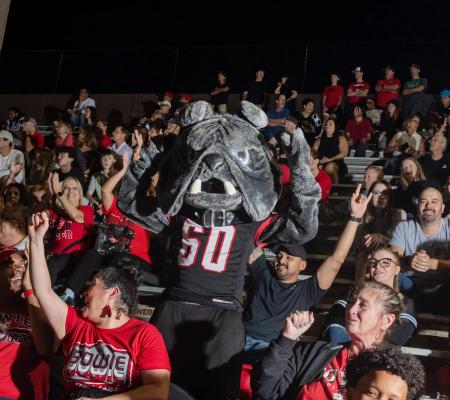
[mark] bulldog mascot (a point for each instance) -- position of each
(217, 192)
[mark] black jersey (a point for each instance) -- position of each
(212, 261)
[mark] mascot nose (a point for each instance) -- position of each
(214, 161)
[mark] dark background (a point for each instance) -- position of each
(146, 46)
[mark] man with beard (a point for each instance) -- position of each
(277, 291)
(425, 245)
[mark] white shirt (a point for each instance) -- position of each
(16, 156)
(85, 103)
(123, 148)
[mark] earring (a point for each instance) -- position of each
(106, 312)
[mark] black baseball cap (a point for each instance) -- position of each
(388, 67)
(414, 66)
(293, 250)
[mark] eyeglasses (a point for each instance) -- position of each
(383, 262)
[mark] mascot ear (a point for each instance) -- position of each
(252, 114)
(195, 112)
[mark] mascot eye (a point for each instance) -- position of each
(244, 157)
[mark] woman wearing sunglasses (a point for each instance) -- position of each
(382, 266)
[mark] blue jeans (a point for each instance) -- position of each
(254, 344)
(336, 333)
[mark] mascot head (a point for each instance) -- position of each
(220, 163)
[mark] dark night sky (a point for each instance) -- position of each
(343, 34)
(62, 24)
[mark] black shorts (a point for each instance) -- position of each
(205, 346)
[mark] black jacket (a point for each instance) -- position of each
(288, 365)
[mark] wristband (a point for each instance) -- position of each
(28, 293)
(356, 219)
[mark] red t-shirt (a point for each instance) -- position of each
(69, 141)
(110, 359)
(105, 141)
(23, 374)
(324, 181)
(384, 97)
(332, 381)
(354, 86)
(285, 177)
(140, 245)
(358, 130)
(37, 140)
(332, 93)
(69, 231)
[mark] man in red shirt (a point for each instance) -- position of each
(358, 131)
(357, 91)
(388, 88)
(31, 139)
(332, 95)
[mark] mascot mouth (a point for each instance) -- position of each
(212, 186)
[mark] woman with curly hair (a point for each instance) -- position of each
(108, 353)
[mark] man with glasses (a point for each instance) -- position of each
(425, 246)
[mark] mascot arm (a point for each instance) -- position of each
(132, 199)
(299, 225)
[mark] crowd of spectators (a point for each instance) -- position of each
(59, 213)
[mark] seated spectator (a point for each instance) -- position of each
(358, 131)
(436, 164)
(184, 99)
(26, 340)
(321, 177)
(408, 141)
(357, 91)
(414, 93)
(90, 117)
(41, 163)
(219, 95)
(373, 114)
(13, 224)
(16, 194)
(87, 154)
(104, 140)
(120, 145)
(390, 122)
(12, 161)
(383, 266)
(385, 373)
(31, 139)
(372, 173)
(71, 237)
(76, 113)
(332, 149)
(439, 112)
(388, 88)
(64, 136)
(286, 86)
(332, 97)
(256, 92)
(292, 369)
(411, 182)
(138, 362)
(139, 246)
(277, 117)
(65, 159)
(277, 291)
(168, 96)
(15, 119)
(379, 222)
(425, 245)
(110, 163)
(309, 121)
(164, 108)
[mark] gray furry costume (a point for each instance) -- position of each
(217, 190)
